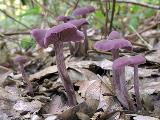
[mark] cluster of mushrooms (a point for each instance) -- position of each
(69, 31)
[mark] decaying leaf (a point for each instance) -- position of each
(27, 106)
(83, 108)
(44, 72)
(141, 117)
(4, 72)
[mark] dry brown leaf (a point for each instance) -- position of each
(27, 106)
(44, 72)
(4, 72)
(141, 117)
(57, 106)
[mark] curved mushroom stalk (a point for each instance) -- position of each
(124, 89)
(136, 88)
(63, 73)
(21, 60)
(25, 78)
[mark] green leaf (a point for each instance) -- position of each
(32, 11)
(27, 43)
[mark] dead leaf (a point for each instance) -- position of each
(141, 117)
(27, 106)
(84, 108)
(4, 72)
(44, 72)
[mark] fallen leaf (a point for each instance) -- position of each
(27, 106)
(44, 72)
(141, 117)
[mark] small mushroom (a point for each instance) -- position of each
(38, 35)
(83, 11)
(114, 35)
(135, 61)
(21, 60)
(114, 46)
(64, 18)
(119, 67)
(79, 23)
(57, 35)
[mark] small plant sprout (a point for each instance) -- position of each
(135, 61)
(83, 11)
(57, 35)
(119, 66)
(21, 60)
(78, 23)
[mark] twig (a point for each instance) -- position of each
(112, 15)
(148, 45)
(4, 12)
(16, 33)
(42, 6)
(136, 3)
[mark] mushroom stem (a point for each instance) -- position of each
(71, 49)
(115, 54)
(117, 88)
(64, 74)
(136, 87)
(124, 88)
(85, 40)
(25, 78)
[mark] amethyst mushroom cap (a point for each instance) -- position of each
(38, 35)
(83, 10)
(113, 46)
(114, 35)
(78, 22)
(64, 18)
(64, 32)
(20, 59)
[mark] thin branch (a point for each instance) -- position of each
(16, 33)
(5, 13)
(112, 15)
(42, 6)
(136, 3)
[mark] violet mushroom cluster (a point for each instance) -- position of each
(113, 44)
(57, 35)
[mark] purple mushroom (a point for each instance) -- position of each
(78, 46)
(114, 35)
(83, 11)
(135, 61)
(119, 67)
(38, 35)
(57, 35)
(64, 18)
(114, 46)
(21, 60)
